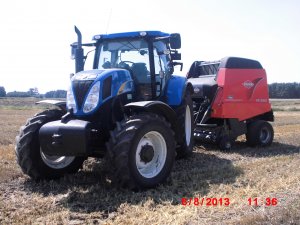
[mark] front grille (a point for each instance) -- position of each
(80, 88)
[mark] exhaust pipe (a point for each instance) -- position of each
(79, 57)
(79, 37)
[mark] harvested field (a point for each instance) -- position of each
(87, 197)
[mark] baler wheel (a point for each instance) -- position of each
(259, 133)
(225, 143)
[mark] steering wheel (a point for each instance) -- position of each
(124, 62)
(124, 65)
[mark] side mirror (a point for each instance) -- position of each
(175, 41)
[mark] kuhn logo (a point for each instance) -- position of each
(248, 84)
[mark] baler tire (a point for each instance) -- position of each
(259, 133)
(186, 144)
(28, 152)
(123, 148)
(225, 143)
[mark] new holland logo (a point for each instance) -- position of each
(248, 84)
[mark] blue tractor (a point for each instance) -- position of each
(128, 107)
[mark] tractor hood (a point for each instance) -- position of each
(90, 74)
(90, 89)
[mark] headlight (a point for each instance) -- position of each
(71, 104)
(92, 99)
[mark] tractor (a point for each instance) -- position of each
(128, 107)
(132, 110)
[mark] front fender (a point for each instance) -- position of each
(59, 103)
(156, 107)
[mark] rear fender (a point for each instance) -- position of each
(156, 107)
(60, 104)
(176, 89)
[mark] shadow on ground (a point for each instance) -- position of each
(90, 190)
(243, 149)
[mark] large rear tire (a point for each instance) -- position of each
(30, 156)
(259, 133)
(185, 117)
(142, 151)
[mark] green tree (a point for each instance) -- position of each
(34, 92)
(2, 91)
(284, 90)
(56, 94)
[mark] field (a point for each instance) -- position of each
(272, 175)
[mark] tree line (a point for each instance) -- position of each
(276, 90)
(33, 92)
(284, 90)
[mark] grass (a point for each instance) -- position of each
(88, 198)
(285, 104)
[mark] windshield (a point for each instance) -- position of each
(122, 54)
(133, 55)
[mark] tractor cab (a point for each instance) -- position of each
(148, 56)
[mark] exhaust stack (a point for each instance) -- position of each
(79, 57)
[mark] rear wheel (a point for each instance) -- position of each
(186, 121)
(259, 133)
(142, 151)
(30, 156)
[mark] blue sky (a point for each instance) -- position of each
(36, 35)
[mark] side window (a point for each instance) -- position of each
(159, 63)
(105, 59)
(161, 59)
(88, 64)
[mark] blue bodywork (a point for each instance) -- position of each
(121, 78)
(121, 83)
(175, 89)
(130, 35)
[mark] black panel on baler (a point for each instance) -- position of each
(239, 63)
(204, 86)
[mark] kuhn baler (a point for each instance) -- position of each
(230, 99)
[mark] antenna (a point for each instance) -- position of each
(108, 21)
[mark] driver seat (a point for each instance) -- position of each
(140, 72)
(143, 81)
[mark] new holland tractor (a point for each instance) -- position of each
(131, 108)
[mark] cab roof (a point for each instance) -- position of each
(133, 34)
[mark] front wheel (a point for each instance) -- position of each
(142, 151)
(31, 158)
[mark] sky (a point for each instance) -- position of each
(35, 35)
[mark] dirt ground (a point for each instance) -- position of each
(268, 178)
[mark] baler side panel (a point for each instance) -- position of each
(244, 94)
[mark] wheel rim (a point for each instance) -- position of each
(228, 145)
(56, 162)
(155, 165)
(264, 135)
(188, 121)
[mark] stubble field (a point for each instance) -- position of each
(87, 197)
